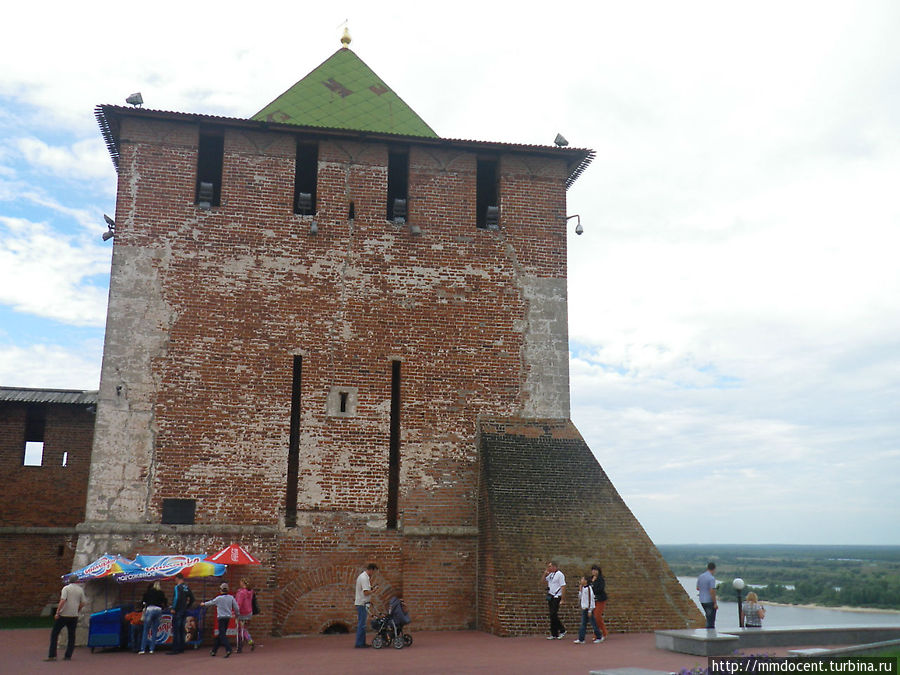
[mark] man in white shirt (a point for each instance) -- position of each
(555, 581)
(364, 589)
(71, 601)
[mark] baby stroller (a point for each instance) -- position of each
(389, 627)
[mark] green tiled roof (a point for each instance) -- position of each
(344, 93)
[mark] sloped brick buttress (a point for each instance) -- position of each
(543, 496)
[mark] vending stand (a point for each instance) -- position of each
(152, 568)
(108, 627)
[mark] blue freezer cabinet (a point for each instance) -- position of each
(108, 628)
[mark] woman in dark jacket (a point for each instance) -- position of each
(153, 601)
(598, 584)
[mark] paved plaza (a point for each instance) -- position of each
(433, 652)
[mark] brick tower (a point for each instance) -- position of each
(313, 315)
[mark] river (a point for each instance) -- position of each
(777, 615)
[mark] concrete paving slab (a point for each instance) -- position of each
(629, 671)
(445, 652)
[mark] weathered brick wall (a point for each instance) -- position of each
(237, 291)
(51, 494)
(46, 496)
(208, 309)
(543, 496)
(33, 565)
(319, 561)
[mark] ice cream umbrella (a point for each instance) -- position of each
(104, 566)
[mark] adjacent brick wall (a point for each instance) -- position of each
(543, 496)
(51, 494)
(33, 565)
(35, 497)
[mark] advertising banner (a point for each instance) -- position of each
(156, 567)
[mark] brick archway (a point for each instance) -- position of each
(330, 589)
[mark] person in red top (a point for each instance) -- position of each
(244, 598)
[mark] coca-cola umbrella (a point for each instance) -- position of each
(233, 554)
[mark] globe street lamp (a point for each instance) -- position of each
(739, 586)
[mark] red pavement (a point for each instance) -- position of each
(22, 651)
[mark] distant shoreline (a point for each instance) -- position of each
(842, 608)
(723, 597)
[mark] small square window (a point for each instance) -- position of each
(341, 402)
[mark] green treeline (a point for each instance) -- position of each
(854, 576)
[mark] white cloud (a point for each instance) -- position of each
(735, 299)
(47, 274)
(83, 160)
(51, 366)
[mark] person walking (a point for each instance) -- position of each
(153, 601)
(71, 601)
(587, 603)
(706, 587)
(364, 590)
(244, 598)
(555, 581)
(226, 607)
(598, 584)
(181, 603)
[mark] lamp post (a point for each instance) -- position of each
(739, 586)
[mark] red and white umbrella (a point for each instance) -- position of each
(233, 554)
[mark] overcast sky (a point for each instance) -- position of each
(734, 300)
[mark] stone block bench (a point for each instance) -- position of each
(703, 642)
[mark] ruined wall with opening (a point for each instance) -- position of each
(40, 505)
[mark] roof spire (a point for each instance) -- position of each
(345, 38)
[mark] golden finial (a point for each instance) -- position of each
(345, 38)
